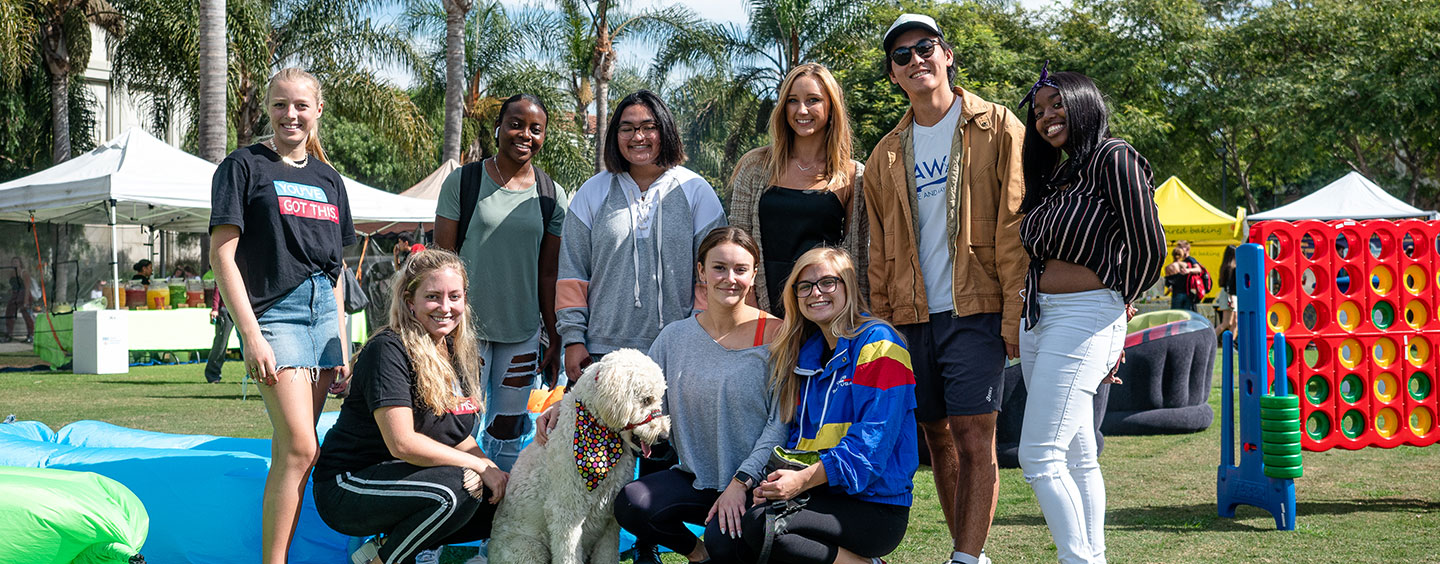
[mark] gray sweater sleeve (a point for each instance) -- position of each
(572, 307)
(775, 433)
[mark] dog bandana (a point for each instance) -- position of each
(597, 448)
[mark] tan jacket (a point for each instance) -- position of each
(984, 190)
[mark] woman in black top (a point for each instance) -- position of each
(279, 221)
(803, 190)
(1095, 242)
(401, 460)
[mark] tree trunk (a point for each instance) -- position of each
(604, 71)
(455, 12)
(247, 114)
(57, 60)
(210, 131)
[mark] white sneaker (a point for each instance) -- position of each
(479, 558)
(365, 553)
(428, 556)
(982, 559)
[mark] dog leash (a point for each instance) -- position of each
(776, 515)
(648, 418)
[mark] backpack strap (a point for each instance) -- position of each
(472, 175)
(545, 187)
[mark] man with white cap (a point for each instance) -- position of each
(943, 192)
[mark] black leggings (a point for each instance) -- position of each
(416, 508)
(656, 508)
(828, 522)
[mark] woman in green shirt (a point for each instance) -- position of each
(509, 239)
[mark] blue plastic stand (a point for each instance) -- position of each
(1247, 483)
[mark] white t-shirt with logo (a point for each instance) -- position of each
(932, 166)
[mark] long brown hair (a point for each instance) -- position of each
(839, 143)
(293, 74)
(785, 351)
(436, 375)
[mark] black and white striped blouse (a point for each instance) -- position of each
(1105, 221)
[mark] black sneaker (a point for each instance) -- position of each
(646, 554)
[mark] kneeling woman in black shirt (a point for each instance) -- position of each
(401, 461)
(1095, 244)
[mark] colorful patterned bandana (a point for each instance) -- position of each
(597, 448)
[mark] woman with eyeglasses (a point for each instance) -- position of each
(627, 258)
(803, 190)
(628, 252)
(1077, 294)
(848, 394)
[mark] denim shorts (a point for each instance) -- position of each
(303, 328)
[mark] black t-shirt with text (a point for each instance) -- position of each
(293, 222)
(383, 378)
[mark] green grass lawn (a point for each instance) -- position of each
(1374, 505)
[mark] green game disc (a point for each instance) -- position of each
(1280, 448)
(1280, 426)
(1280, 437)
(1283, 472)
(1280, 402)
(1280, 414)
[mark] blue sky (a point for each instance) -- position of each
(728, 11)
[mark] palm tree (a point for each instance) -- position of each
(606, 25)
(61, 32)
(334, 39)
(455, 12)
(753, 61)
(211, 131)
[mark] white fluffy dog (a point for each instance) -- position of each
(558, 506)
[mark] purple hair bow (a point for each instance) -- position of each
(1043, 82)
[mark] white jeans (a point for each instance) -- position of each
(1064, 358)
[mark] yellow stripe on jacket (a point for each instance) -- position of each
(829, 436)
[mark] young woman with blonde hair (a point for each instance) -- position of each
(279, 221)
(401, 460)
(848, 393)
(804, 189)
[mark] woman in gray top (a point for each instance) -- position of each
(724, 417)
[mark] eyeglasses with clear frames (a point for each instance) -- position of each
(825, 285)
(647, 129)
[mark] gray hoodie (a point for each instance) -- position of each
(627, 261)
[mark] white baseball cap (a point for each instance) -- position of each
(907, 22)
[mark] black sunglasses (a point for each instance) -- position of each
(924, 47)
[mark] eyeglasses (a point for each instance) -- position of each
(826, 285)
(646, 129)
(924, 47)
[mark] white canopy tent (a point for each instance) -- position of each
(1351, 197)
(136, 179)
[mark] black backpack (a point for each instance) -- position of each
(470, 179)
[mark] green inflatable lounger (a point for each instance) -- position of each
(59, 516)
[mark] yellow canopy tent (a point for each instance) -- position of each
(1209, 230)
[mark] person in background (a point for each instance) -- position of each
(378, 282)
(1177, 276)
(627, 262)
(279, 223)
(803, 190)
(511, 245)
(21, 302)
(847, 392)
(1225, 302)
(1078, 295)
(942, 193)
(401, 460)
(143, 270)
(220, 318)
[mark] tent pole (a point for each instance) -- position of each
(115, 289)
